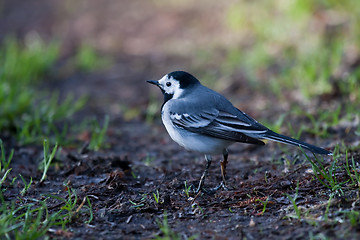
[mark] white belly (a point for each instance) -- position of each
(193, 141)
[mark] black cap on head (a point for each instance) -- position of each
(185, 79)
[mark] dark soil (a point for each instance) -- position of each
(142, 160)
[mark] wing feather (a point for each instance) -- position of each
(218, 124)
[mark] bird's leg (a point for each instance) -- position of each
(202, 179)
(223, 164)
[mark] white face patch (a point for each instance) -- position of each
(171, 86)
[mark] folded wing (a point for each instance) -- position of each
(219, 124)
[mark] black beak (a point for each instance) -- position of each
(153, 82)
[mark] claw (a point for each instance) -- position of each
(224, 186)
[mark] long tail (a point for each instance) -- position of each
(288, 140)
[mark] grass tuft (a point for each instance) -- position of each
(328, 174)
(27, 113)
(5, 161)
(48, 157)
(293, 201)
(98, 134)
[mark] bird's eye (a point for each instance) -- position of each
(168, 84)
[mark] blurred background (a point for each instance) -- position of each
(268, 57)
(74, 101)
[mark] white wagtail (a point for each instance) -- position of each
(202, 120)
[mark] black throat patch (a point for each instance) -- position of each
(167, 97)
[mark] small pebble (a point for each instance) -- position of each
(252, 223)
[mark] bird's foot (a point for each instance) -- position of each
(212, 191)
(224, 186)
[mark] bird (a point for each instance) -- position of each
(202, 120)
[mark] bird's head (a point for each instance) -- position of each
(174, 84)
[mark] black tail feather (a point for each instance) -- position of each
(291, 141)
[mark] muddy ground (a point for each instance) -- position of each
(141, 160)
